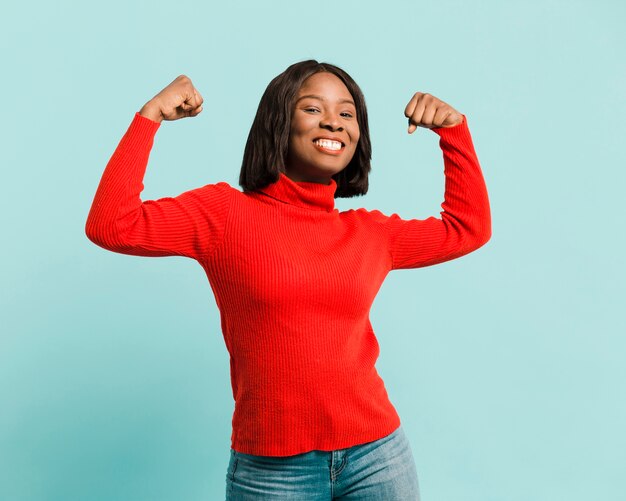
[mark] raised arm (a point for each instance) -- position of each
(465, 222)
(191, 224)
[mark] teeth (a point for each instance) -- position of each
(328, 144)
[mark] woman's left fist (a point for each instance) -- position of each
(425, 110)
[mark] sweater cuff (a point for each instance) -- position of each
(141, 132)
(455, 134)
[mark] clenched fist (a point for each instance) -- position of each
(179, 99)
(425, 110)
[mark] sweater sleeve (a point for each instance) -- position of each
(465, 222)
(191, 224)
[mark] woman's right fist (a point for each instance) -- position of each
(179, 99)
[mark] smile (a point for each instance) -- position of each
(328, 145)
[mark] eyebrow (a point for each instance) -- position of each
(315, 96)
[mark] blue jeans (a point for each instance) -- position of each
(382, 470)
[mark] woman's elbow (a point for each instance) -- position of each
(482, 235)
(95, 233)
(100, 232)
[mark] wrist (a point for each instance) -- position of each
(152, 111)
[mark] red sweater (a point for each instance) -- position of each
(294, 280)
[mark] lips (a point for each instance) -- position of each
(329, 146)
(330, 138)
(324, 148)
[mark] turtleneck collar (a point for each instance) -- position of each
(305, 194)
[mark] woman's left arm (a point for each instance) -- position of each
(465, 222)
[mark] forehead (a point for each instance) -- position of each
(323, 83)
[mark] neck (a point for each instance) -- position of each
(300, 178)
(306, 194)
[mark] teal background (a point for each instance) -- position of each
(506, 366)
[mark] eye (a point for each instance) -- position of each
(349, 115)
(311, 109)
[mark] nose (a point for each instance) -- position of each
(331, 121)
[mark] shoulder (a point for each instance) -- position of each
(221, 187)
(367, 216)
(211, 195)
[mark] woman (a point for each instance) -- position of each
(294, 278)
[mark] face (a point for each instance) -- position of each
(324, 130)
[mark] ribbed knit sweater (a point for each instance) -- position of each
(294, 280)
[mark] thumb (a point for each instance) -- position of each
(185, 106)
(412, 127)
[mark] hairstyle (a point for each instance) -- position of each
(268, 141)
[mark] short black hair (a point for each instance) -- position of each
(268, 140)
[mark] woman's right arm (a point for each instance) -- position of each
(191, 224)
